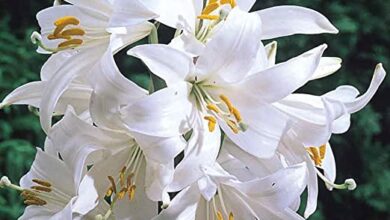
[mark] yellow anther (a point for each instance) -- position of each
(122, 193)
(112, 181)
(210, 8)
(237, 114)
(41, 182)
(213, 108)
(233, 126)
(58, 36)
(211, 119)
(131, 191)
(35, 201)
(122, 176)
(315, 155)
(73, 32)
(41, 188)
(72, 42)
(213, 1)
(109, 191)
(232, 3)
(227, 101)
(129, 177)
(208, 17)
(219, 215)
(67, 20)
(322, 151)
(212, 122)
(231, 216)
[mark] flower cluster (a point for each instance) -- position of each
(227, 138)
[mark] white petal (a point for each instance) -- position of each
(280, 189)
(124, 36)
(127, 13)
(360, 102)
(164, 61)
(157, 178)
(98, 6)
(36, 213)
(245, 5)
(161, 150)
(165, 113)
(329, 165)
(312, 189)
(53, 170)
(60, 82)
(188, 43)
(169, 11)
(27, 94)
(202, 150)
(265, 124)
(111, 91)
(326, 67)
(259, 167)
(283, 21)
(279, 81)
(81, 144)
(183, 206)
(230, 54)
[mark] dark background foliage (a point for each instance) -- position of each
(361, 153)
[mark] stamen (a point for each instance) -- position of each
(42, 182)
(212, 122)
(210, 8)
(322, 151)
(233, 126)
(112, 181)
(219, 215)
(58, 36)
(122, 176)
(72, 42)
(122, 193)
(109, 191)
(228, 103)
(315, 155)
(131, 191)
(231, 216)
(41, 188)
(236, 114)
(35, 201)
(208, 17)
(213, 108)
(73, 32)
(67, 20)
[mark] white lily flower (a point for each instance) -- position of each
(219, 90)
(49, 191)
(218, 195)
(149, 160)
(79, 34)
(197, 22)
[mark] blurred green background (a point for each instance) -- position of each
(361, 153)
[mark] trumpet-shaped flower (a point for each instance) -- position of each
(78, 34)
(220, 90)
(197, 21)
(219, 195)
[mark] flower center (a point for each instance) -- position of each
(125, 182)
(65, 30)
(221, 108)
(210, 17)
